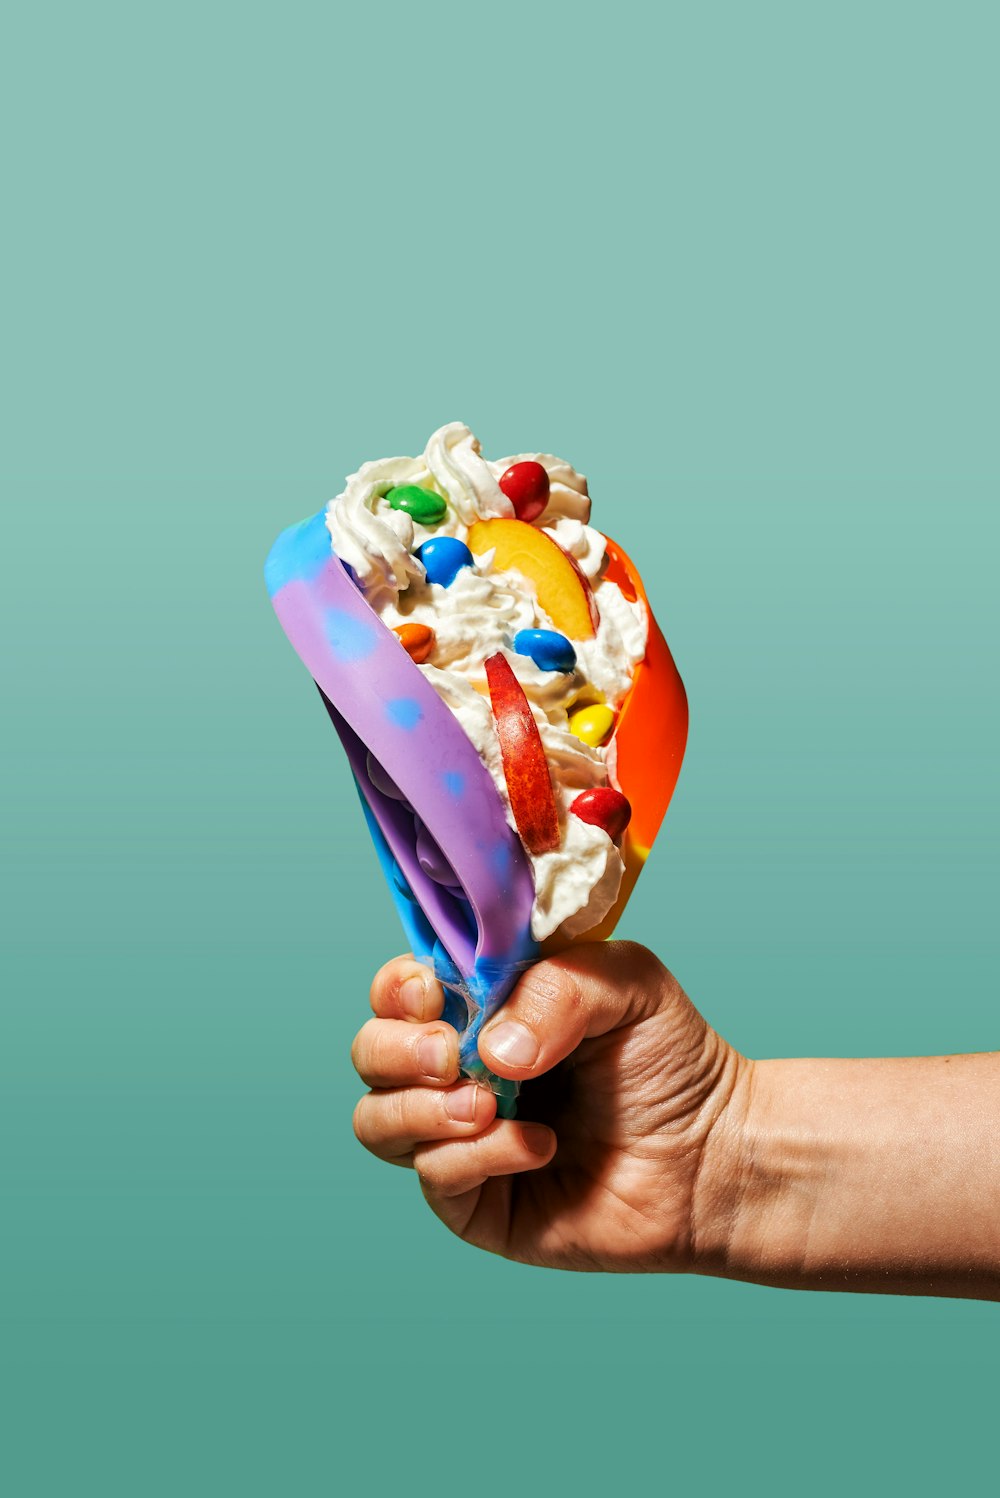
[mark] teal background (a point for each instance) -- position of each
(737, 263)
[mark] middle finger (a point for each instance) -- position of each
(397, 1053)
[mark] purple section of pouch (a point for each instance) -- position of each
(391, 710)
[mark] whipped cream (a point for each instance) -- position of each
(478, 615)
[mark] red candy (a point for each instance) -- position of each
(526, 485)
(605, 808)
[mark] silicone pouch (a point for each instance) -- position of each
(460, 879)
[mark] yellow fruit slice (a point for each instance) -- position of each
(562, 590)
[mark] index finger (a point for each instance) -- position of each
(405, 989)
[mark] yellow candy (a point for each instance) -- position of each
(593, 724)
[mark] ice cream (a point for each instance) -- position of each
(380, 526)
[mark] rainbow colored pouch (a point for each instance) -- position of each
(455, 859)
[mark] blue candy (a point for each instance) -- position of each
(549, 650)
(444, 557)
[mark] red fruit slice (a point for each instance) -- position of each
(604, 807)
(526, 485)
(525, 767)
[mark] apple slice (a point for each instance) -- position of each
(525, 767)
(562, 589)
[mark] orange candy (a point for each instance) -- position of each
(417, 640)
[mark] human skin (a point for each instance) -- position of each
(646, 1143)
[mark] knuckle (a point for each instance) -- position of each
(360, 1047)
(396, 1109)
(379, 983)
(549, 985)
(640, 959)
(430, 1168)
(379, 1060)
(649, 980)
(383, 981)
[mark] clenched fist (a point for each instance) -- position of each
(623, 1085)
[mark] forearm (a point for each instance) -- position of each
(879, 1175)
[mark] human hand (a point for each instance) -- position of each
(623, 1085)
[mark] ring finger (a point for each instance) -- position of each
(392, 1123)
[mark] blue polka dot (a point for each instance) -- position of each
(454, 782)
(405, 712)
(299, 553)
(501, 860)
(351, 639)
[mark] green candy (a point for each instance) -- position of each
(420, 504)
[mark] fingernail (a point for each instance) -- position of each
(461, 1105)
(411, 997)
(511, 1043)
(434, 1054)
(536, 1139)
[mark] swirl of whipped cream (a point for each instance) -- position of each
(584, 544)
(371, 537)
(463, 476)
(377, 541)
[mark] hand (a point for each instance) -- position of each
(624, 1083)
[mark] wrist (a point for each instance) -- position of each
(758, 1184)
(874, 1175)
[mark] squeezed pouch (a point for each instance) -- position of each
(459, 876)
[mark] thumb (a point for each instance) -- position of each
(584, 992)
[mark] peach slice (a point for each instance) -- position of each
(562, 589)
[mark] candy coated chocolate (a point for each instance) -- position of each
(526, 485)
(593, 724)
(416, 639)
(604, 807)
(422, 505)
(443, 558)
(549, 650)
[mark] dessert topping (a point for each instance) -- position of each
(549, 650)
(422, 505)
(443, 558)
(604, 807)
(593, 724)
(526, 485)
(562, 589)
(525, 767)
(417, 640)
